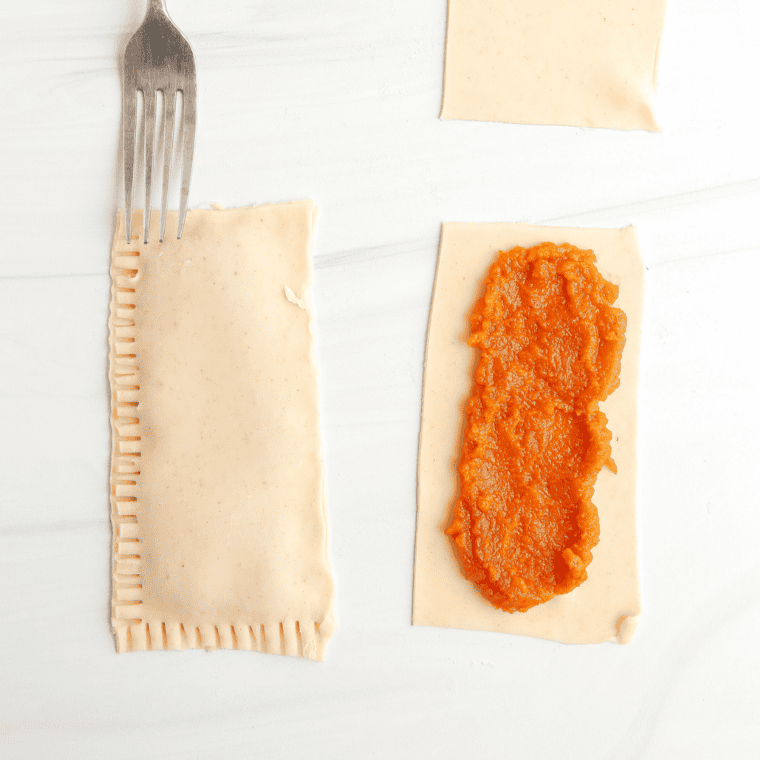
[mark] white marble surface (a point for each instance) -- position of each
(338, 101)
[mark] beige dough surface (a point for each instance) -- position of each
(586, 63)
(607, 606)
(217, 483)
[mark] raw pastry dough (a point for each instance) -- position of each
(220, 529)
(607, 606)
(587, 63)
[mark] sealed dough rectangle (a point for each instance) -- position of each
(587, 63)
(217, 483)
(607, 606)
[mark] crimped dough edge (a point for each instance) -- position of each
(297, 638)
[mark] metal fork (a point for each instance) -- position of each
(158, 57)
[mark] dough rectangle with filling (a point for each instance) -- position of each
(217, 483)
(588, 63)
(607, 606)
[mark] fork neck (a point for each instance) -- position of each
(156, 7)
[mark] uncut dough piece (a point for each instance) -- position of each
(607, 606)
(220, 526)
(586, 63)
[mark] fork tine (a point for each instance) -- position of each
(188, 146)
(129, 108)
(169, 104)
(158, 57)
(149, 95)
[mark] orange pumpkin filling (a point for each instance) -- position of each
(550, 346)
